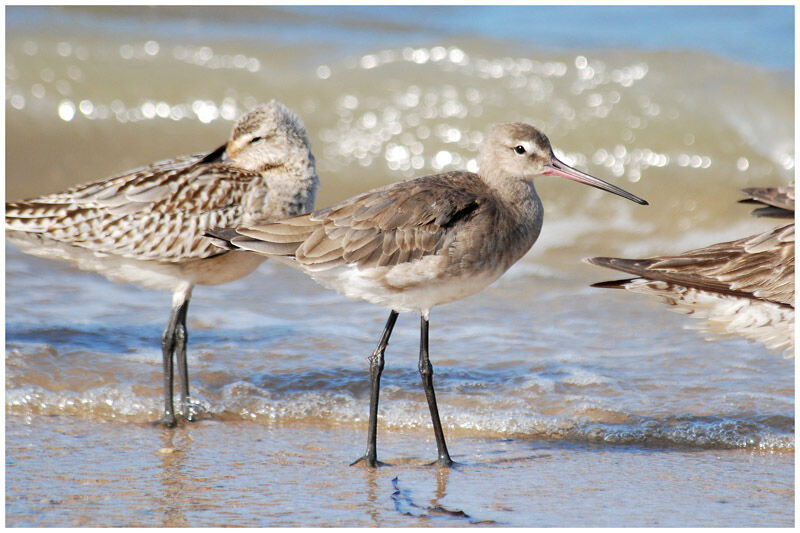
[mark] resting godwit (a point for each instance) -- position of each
(741, 288)
(419, 243)
(146, 226)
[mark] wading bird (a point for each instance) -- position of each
(420, 243)
(146, 226)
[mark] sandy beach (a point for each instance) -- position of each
(238, 474)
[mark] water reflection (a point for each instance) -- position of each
(175, 484)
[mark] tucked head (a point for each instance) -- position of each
(268, 135)
(519, 151)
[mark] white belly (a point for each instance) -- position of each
(159, 275)
(416, 286)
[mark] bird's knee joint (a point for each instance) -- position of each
(167, 341)
(425, 369)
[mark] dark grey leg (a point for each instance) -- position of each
(181, 337)
(174, 338)
(167, 348)
(426, 372)
(370, 458)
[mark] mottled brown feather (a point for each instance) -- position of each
(168, 206)
(760, 267)
(778, 201)
(384, 227)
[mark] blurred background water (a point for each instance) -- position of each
(681, 105)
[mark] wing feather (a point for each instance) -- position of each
(158, 212)
(395, 224)
(776, 202)
(760, 266)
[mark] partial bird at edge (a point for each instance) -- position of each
(742, 288)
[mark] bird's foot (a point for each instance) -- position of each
(444, 462)
(166, 421)
(193, 409)
(367, 461)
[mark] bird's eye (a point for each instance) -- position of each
(256, 139)
(519, 149)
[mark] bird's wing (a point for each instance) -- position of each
(158, 212)
(760, 267)
(396, 224)
(777, 202)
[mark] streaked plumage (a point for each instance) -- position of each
(424, 242)
(776, 202)
(741, 288)
(146, 226)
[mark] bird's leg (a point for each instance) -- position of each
(173, 342)
(370, 458)
(167, 349)
(181, 336)
(426, 372)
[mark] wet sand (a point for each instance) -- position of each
(63, 471)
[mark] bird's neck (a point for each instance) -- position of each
(518, 194)
(283, 192)
(524, 208)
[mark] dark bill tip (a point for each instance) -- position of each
(561, 169)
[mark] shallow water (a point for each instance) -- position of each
(546, 386)
(243, 474)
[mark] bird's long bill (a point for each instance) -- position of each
(561, 169)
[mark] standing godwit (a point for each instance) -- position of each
(741, 288)
(146, 226)
(420, 243)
